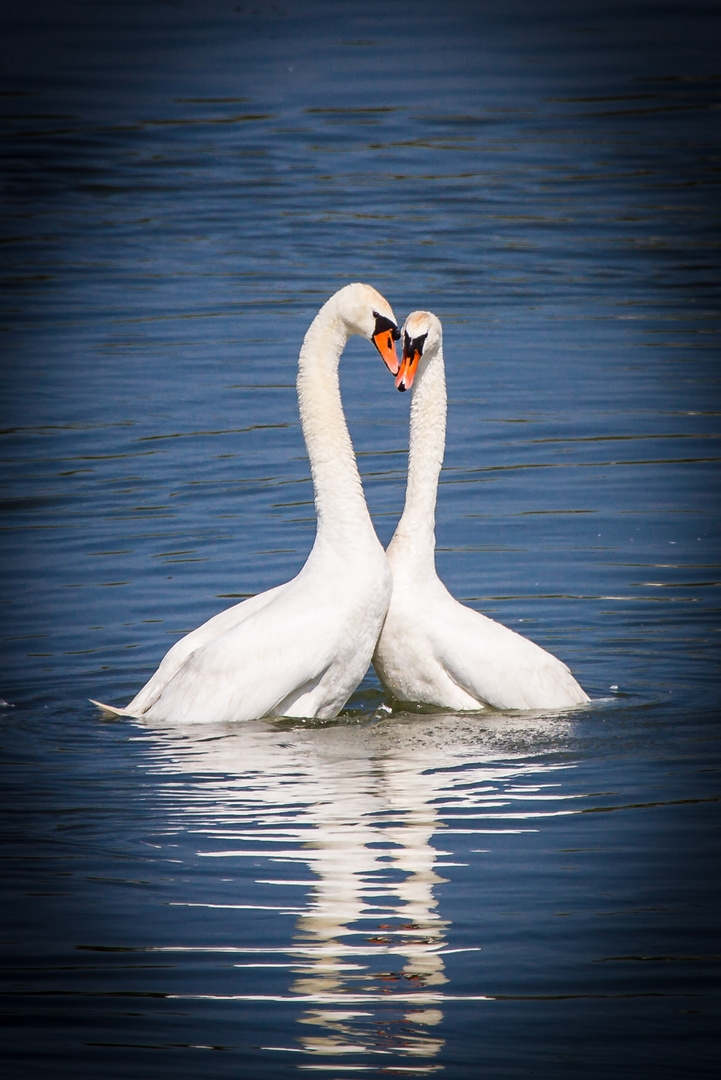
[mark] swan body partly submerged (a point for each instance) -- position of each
(301, 648)
(432, 649)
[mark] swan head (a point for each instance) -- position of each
(422, 337)
(367, 313)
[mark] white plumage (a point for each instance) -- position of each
(432, 649)
(301, 648)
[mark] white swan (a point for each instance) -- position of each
(301, 648)
(433, 649)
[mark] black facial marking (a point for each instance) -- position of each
(383, 323)
(414, 346)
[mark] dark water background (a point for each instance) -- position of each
(493, 896)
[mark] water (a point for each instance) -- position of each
(388, 894)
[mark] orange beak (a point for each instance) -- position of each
(386, 346)
(408, 368)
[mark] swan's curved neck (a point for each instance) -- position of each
(416, 528)
(343, 516)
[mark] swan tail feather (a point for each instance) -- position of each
(112, 710)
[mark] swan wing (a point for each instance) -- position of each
(183, 648)
(499, 667)
(257, 667)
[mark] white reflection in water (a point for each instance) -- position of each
(364, 815)
(372, 909)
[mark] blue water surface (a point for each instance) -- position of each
(391, 893)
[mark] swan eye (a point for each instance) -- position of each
(383, 323)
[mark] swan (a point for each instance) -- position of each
(299, 649)
(432, 649)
